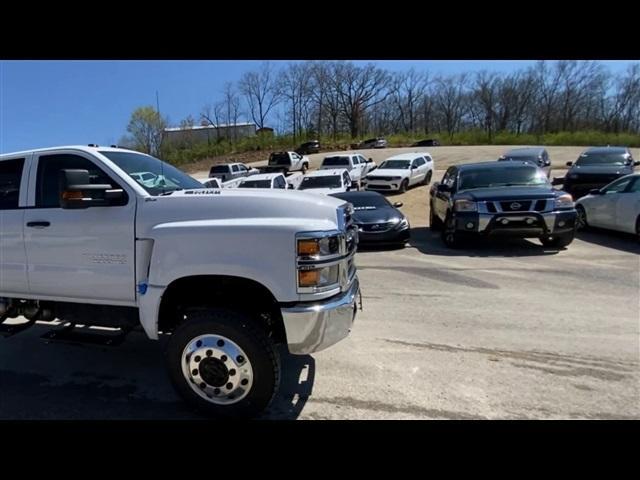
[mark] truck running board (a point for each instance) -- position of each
(86, 336)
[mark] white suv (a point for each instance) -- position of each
(399, 172)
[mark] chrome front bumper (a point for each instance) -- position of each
(311, 327)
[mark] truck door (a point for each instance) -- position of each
(13, 261)
(85, 253)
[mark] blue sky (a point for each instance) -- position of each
(48, 103)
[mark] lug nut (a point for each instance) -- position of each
(220, 343)
(194, 372)
(203, 385)
(229, 386)
(209, 353)
(197, 359)
(223, 358)
(216, 391)
(240, 359)
(244, 381)
(232, 372)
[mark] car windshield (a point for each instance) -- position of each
(328, 181)
(335, 162)
(399, 164)
(524, 158)
(255, 184)
(365, 202)
(155, 176)
(279, 159)
(602, 159)
(502, 177)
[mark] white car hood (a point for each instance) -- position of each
(324, 191)
(389, 172)
(238, 207)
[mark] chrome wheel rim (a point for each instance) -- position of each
(581, 219)
(217, 369)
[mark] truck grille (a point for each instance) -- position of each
(517, 206)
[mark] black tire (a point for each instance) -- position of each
(558, 241)
(305, 167)
(581, 218)
(404, 186)
(434, 222)
(450, 237)
(427, 178)
(259, 349)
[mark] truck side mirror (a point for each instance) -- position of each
(569, 164)
(76, 190)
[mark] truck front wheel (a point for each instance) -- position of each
(222, 364)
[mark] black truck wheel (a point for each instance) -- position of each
(450, 237)
(222, 364)
(434, 222)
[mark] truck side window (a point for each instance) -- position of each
(10, 176)
(49, 167)
(235, 168)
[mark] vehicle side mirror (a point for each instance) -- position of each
(569, 164)
(370, 160)
(398, 204)
(596, 191)
(76, 190)
(441, 187)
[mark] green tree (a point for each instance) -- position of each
(146, 127)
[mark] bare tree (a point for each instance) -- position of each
(449, 98)
(261, 92)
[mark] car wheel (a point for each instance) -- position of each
(557, 241)
(449, 236)
(223, 364)
(427, 178)
(434, 222)
(404, 185)
(581, 218)
(305, 167)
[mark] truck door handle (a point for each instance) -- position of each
(38, 224)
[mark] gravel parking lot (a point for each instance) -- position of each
(496, 330)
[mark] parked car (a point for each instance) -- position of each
(224, 277)
(535, 155)
(286, 162)
(230, 171)
(400, 172)
(378, 221)
(614, 207)
(210, 182)
(308, 148)
(431, 142)
(354, 163)
(378, 142)
(264, 180)
(512, 199)
(327, 181)
(597, 167)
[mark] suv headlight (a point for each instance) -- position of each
(465, 206)
(564, 201)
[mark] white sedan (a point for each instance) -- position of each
(614, 207)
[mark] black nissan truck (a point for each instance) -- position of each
(512, 199)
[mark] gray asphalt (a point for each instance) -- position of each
(495, 331)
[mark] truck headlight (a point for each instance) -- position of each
(318, 247)
(564, 201)
(465, 206)
(318, 277)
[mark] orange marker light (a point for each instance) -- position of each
(308, 247)
(308, 278)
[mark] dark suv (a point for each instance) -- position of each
(501, 198)
(308, 147)
(597, 167)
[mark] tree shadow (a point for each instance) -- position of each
(625, 242)
(428, 242)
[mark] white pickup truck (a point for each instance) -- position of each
(224, 274)
(284, 162)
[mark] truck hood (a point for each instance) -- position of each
(299, 210)
(600, 169)
(508, 193)
(324, 191)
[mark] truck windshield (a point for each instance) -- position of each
(329, 181)
(336, 162)
(279, 159)
(502, 177)
(155, 176)
(255, 184)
